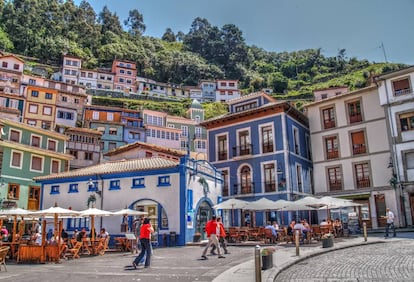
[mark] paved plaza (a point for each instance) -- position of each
(351, 259)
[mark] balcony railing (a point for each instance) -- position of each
(329, 124)
(269, 186)
(402, 92)
(332, 154)
(242, 150)
(335, 185)
(243, 188)
(267, 147)
(222, 155)
(363, 182)
(355, 118)
(359, 149)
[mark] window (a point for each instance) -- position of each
(407, 121)
(36, 164)
(113, 131)
(401, 86)
(245, 180)
(244, 142)
(225, 187)
(115, 185)
(64, 99)
(48, 96)
(335, 178)
(36, 141)
(13, 191)
(111, 146)
(47, 111)
(331, 147)
(184, 130)
(164, 181)
(138, 182)
(184, 145)
(4, 64)
(110, 116)
(222, 148)
(14, 135)
(267, 139)
(55, 166)
(54, 189)
(362, 175)
(299, 178)
(328, 118)
(73, 188)
(16, 161)
(88, 156)
(296, 141)
(35, 93)
(354, 111)
(246, 107)
(358, 143)
(32, 81)
(93, 187)
(95, 115)
(269, 177)
(73, 153)
(77, 101)
(33, 109)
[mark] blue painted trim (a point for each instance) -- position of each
(183, 234)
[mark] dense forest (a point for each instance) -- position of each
(47, 29)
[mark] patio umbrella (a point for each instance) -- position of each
(15, 212)
(92, 212)
(129, 212)
(231, 204)
(261, 205)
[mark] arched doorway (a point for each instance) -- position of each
(204, 213)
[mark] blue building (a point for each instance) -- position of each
(262, 148)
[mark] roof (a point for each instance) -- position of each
(271, 107)
(396, 73)
(195, 104)
(113, 167)
(249, 96)
(34, 128)
(83, 130)
(139, 144)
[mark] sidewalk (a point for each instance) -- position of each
(285, 256)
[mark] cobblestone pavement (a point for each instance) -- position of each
(392, 261)
(167, 264)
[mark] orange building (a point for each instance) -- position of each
(40, 108)
(125, 76)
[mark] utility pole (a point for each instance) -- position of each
(383, 50)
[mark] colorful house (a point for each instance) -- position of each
(262, 148)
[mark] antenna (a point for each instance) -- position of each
(383, 50)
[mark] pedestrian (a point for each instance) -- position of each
(390, 223)
(222, 238)
(137, 228)
(212, 231)
(145, 239)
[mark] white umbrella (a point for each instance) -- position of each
(261, 205)
(15, 211)
(231, 204)
(293, 206)
(129, 212)
(92, 212)
(311, 201)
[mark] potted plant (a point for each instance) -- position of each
(267, 257)
(327, 240)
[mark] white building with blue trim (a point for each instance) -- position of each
(170, 192)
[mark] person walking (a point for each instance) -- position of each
(212, 229)
(222, 238)
(145, 239)
(389, 215)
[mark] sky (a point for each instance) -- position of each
(361, 27)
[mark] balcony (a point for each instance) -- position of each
(359, 149)
(243, 188)
(364, 182)
(267, 147)
(332, 155)
(269, 186)
(329, 124)
(402, 92)
(335, 185)
(222, 155)
(242, 150)
(355, 118)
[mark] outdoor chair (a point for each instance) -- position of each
(3, 254)
(74, 252)
(269, 236)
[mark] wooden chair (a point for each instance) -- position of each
(269, 236)
(74, 252)
(234, 235)
(316, 232)
(3, 254)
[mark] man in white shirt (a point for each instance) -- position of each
(390, 223)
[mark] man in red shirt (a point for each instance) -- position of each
(213, 232)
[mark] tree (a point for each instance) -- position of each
(109, 21)
(168, 35)
(278, 82)
(135, 23)
(5, 42)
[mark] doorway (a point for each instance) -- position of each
(204, 213)
(34, 198)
